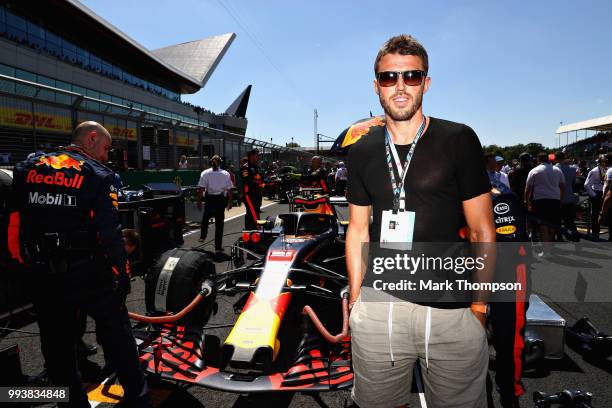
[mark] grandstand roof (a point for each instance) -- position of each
(603, 123)
(182, 73)
(238, 108)
(197, 58)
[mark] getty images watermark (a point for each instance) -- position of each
(412, 265)
(500, 272)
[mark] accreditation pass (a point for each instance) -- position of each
(397, 227)
(34, 394)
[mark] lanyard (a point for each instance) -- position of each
(398, 187)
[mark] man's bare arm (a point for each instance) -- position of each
(230, 199)
(479, 216)
(200, 195)
(358, 233)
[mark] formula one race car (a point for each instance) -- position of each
(285, 274)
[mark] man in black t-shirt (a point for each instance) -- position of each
(518, 176)
(446, 185)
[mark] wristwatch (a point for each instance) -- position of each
(478, 307)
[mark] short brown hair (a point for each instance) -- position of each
(131, 237)
(403, 44)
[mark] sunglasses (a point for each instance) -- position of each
(390, 78)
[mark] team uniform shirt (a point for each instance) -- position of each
(341, 174)
(317, 179)
(217, 182)
(545, 180)
(252, 179)
(594, 181)
(72, 196)
(446, 169)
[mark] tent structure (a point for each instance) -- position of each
(600, 124)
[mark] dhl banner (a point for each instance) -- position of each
(44, 121)
(24, 119)
(184, 140)
(120, 132)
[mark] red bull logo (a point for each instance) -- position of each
(356, 131)
(57, 179)
(62, 161)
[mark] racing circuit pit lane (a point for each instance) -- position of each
(573, 371)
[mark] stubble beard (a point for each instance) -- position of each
(399, 115)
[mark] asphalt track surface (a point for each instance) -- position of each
(573, 371)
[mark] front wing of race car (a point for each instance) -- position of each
(175, 356)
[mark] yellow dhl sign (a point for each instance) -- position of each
(59, 123)
(186, 141)
(506, 230)
(123, 133)
(44, 121)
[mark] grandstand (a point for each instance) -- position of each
(586, 139)
(61, 64)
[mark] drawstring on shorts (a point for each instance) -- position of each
(427, 335)
(390, 329)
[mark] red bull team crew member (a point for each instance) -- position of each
(64, 225)
(252, 184)
(508, 317)
(317, 176)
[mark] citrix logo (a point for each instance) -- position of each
(52, 199)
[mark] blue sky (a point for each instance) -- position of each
(512, 70)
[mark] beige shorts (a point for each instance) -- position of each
(454, 366)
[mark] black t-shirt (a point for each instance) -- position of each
(518, 180)
(447, 168)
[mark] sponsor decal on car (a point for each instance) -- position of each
(64, 200)
(281, 256)
(57, 179)
(295, 240)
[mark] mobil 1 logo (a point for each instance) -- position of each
(58, 199)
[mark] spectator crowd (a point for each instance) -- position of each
(553, 188)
